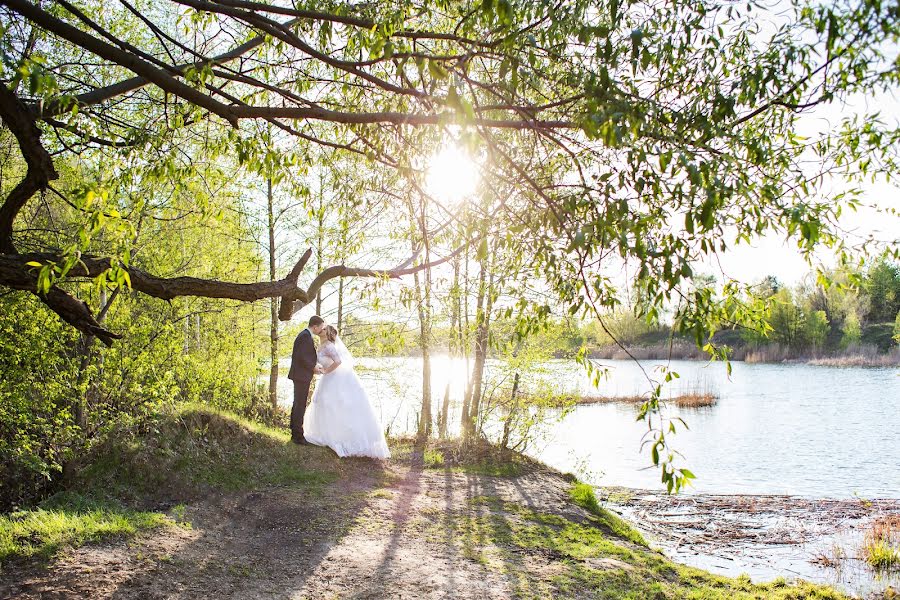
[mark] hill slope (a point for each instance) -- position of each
(248, 515)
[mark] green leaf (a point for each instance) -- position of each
(482, 252)
(437, 70)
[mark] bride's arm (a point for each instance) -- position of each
(334, 356)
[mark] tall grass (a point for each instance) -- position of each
(688, 399)
(881, 544)
(678, 350)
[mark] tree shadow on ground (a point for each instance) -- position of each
(267, 542)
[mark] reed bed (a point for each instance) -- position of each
(678, 350)
(692, 399)
(860, 356)
(881, 544)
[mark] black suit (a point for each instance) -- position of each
(303, 361)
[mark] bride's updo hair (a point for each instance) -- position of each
(330, 333)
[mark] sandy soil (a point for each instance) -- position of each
(372, 534)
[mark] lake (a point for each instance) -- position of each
(812, 431)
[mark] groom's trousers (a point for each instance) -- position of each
(301, 394)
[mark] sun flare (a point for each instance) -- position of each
(452, 175)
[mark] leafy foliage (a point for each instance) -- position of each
(611, 134)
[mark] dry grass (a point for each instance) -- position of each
(881, 544)
(859, 355)
(677, 350)
(832, 560)
(862, 356)
(695, 400)
(691, 399)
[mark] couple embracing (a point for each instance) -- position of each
(340, 415)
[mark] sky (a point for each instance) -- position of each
(772, 255)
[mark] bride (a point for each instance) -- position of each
(340, 415)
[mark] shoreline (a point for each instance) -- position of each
(762, 535)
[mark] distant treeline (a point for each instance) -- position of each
(857, 315)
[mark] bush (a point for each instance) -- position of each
(57, 402)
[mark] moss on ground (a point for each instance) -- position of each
(583, 495)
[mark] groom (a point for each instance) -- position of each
(303, 365)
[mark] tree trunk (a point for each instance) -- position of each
(320, 236)
(510, 415)
(343, 245)
(273, 303)
(464, 348)
(85, 350)
(340, 310)
(482, 337)
(423, 302)
(453, 344)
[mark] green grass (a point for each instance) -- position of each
(433, 459)
(882, 555)
(591, 561)
(194, 447)
(583, 495)
(69, 520)
(173, 456)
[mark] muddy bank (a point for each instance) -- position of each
(763, 536)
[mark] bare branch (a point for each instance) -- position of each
(40, 165)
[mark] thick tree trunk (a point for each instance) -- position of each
(273, 303)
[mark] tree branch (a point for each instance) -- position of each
(153, 74)
(56, 107)
(40, 165)
(16, 273)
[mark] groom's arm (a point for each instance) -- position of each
(306, 352)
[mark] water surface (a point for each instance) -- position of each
(818, 432)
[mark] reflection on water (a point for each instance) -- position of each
(777, 429)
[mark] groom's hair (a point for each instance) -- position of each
(315, 320)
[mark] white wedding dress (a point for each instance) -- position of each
(340, 415)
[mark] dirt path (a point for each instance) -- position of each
(375, 533)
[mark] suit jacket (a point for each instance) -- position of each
(303, 358)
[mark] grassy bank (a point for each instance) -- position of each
(140, 480)
(220, 506)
